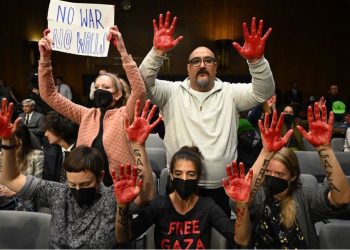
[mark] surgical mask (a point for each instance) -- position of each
(288, 118)
(275, 185)
(185, 187)
(103, 98)
(84, 196)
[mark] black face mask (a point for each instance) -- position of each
(246, 139)
(275, 185)
(84, 196)
(288, 119)
(103, 98)
(185, 187)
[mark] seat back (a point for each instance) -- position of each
(154, 141)
(163, 181)
(335, 235)
(310, 163)
(157, 159)
(308, 180)
(19, 229)
(308, 146)
(337, 144)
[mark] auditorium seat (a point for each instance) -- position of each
(19, 229)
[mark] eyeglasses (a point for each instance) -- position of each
(196, 61)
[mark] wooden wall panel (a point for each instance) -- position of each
(307, 42)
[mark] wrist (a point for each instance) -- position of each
(159, 52)
(323, 147)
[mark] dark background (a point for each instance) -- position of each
(309, 41)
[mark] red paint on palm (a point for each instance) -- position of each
(236, 186)
(6, 127)
(254, 45)
(141, 127)
(271, 135)
(320, 131)
(126, 189)
(164, 35)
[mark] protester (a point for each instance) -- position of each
(183, 219)
(202, 110)
(100, 127)
(283, 212)
(83, 209)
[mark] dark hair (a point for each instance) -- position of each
(190, 154)
(26, 146)
(84, 158)
(61, 127)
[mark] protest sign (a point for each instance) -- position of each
(80, 28)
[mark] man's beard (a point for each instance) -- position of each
(203, 83)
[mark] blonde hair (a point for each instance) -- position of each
(288, 206)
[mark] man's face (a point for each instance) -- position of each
(333, 90)
(27, 108)
(202, 69)
(52, 137)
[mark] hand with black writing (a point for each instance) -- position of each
(320, 131)
(45, 47)
(115, 37)
(254, 45)
(7, 129)
(139, 130)
(271, 135)
(163, 39)
(236, 186)
(126, 185)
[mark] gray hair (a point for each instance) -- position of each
(31, 102)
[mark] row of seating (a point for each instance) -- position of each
(336, 143)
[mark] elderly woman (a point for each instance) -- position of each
(100, 127)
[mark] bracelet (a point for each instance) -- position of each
(9, 147)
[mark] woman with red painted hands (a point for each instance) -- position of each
(182, 219)
(83, 209)
(283, 212)
(101, 127)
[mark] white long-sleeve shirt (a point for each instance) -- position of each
(208, 122)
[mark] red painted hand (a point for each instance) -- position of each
(141, 128)
(164, 35)
(7, 129)
(236, 186)
(115, 37)
(125, 187)
(271, 136)
(254, 44)
(320, 132)
(45, 46)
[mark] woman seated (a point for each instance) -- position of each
(183, 219)
(283, 212)
(30, 161)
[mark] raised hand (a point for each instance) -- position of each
(141, 127)
(7, 129)
(115, 37)
(236, 186)
(320, 132)
(45, 46)
(163, 39)
(271, 136)
(125, 187)
(254, 44)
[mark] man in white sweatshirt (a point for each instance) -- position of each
(202, 110)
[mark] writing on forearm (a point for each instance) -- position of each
(240, 215)
(137, 154)
(124, 218)
(259, 179)
(329, 169)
